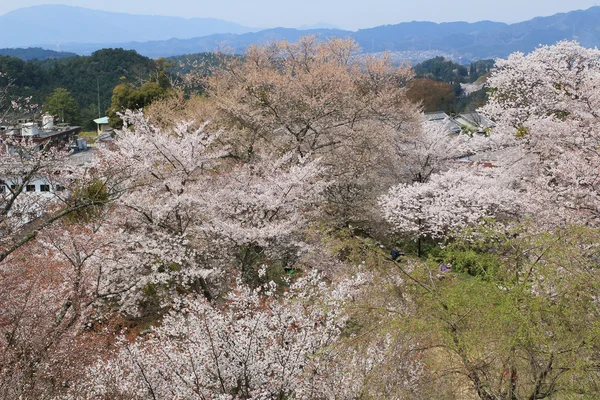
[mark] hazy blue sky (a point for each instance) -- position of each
(348, 14)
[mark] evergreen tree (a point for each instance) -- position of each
(63, 105)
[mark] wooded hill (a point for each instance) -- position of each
(90, 80)
(439, 85)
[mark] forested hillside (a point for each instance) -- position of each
(443, 85)
(90, 80)
(437, 84)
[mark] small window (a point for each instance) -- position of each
(13, 187)
(30, 188)
(2, 188)
(44, 188)
(59, 188)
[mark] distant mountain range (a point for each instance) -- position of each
(461, 41)
(223, 42)
(53, 25)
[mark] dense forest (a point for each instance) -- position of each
(89, 80)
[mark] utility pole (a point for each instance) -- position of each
(98, 91)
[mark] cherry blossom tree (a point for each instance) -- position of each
(190, 211)
(449, 202)
(45, 298)
(25, 164)
(546, 106)
(11, 105)
(253, 346)
(376, 357)
(545, 109)
(433, 149)
(319, 99)
(46, 292)
(311, 95)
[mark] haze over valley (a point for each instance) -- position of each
(157, 36)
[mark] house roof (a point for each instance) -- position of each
(101, 121)
(474, 119)
(441, 117)
(436, 116)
